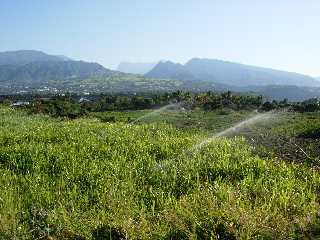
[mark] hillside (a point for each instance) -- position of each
(229, 73)
(23, 57)
(135, 68)
(50, 70)
(280, 92)
(29, 68)
(171, 70)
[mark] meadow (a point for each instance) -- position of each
(92, 179)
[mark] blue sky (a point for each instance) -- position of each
(280, 34)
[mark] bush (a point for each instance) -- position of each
(108, 119)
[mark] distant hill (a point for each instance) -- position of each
(280, 92)
(33, 71)
(23, 57)
(171, 70)
(229, 73)
(50, 70)
(135, 68)
(29, 66)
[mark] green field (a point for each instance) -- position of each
(87, 179)
(207, 121)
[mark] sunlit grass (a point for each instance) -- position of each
(83, 178)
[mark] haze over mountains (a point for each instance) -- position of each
(229, 73)
(23, 57)
(136, 68)
(29, 70)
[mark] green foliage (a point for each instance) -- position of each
(311, 134)
(84, 179)
(58, 107)
(182, 119)
(311, 105)
(268, 106)
(289, 136)
(105, 119)
(73, 106)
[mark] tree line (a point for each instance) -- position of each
(74, 106)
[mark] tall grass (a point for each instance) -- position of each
(89, 180)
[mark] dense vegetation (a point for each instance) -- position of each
(83, 179)
(74, 106)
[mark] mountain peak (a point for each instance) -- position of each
(35, 66)
(169, 69)
(22, 57)
(168, 63)
(25, 51)
(230, 73)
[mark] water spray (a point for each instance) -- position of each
(260, 117)
(157, 111)
(153, 113)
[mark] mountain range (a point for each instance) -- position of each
(28, 66)
(136, 68)
(23, 57)
(229, 73)
(28, 70)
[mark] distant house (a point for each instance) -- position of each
(19, 104)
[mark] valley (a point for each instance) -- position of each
(37, 72)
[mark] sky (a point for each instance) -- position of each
(282, 34)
